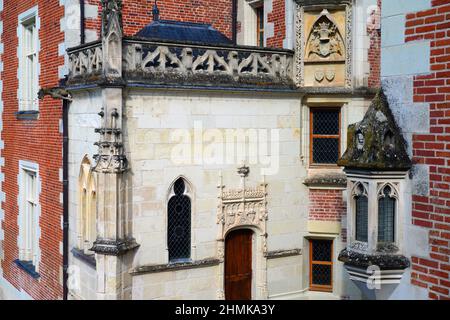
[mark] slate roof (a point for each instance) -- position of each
(177, 31)
(376, 143)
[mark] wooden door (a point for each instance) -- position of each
(238, 265)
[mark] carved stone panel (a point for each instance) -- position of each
(323, 50)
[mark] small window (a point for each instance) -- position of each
(260, 25)
(325, 136)
(179, 223)
(321, 265)
(28, 65)
(386, 216)
(28, 221)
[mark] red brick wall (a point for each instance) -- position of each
(37, 141)
(138, 13)
(433, 149)
(375, 54)
(327, 205)
(278, 18)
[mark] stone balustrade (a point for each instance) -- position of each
(159, 63)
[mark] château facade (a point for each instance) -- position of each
(227, 150)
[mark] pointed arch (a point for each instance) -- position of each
(387, 212)
(87, 212)
(179, 212)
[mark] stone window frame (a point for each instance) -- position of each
(373, 188)
(249, 20)
(87, 209)
(26, 18)
(311, 135)
(29, 229)
(189, 192)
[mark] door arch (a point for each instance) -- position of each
(238, 265)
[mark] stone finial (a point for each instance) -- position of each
(376, 142)
(155, 11)
(111, 9)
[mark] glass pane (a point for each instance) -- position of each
(179, 224)
(325, 150)
(321, 274)
(386, 219)
(326, 122)
(321, 250)
(361, 218)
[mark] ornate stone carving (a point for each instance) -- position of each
(110, 10)
(110, 158)
(87, 62)
(242, 207)
(349, 46)
(299, 71)
(325, 40)
(148, 58)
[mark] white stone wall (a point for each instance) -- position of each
(151, 118)
(83, 119)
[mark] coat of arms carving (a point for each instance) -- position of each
(325, 40)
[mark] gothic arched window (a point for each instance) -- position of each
(386, 215)
(179, 223)
(87, 231)
(362, 214)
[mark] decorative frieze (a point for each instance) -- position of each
(243, 207)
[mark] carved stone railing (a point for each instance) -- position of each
(85, 63)
(180, 64)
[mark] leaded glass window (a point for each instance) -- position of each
(179, 223)
(362, 218)
(321, 265)
(386, 216)
(325, 135)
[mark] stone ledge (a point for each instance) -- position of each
(88, 259)
(28, 267)
(283, 253)
(175, 266)
(27, 115)
(327, 179)
(384, 261)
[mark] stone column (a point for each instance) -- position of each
(113, 242)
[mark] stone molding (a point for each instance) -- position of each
(208, 262)
(283, 253)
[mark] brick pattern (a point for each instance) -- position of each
(138, 13)
(277, 17)
(36, 141)
(328, 205)
(375, 55)
(433, 149)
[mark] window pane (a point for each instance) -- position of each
(179, 224)
(325, 150)
(321, 274)
(386, 219)
(321, 250)
(326, 122)
(361, 218)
